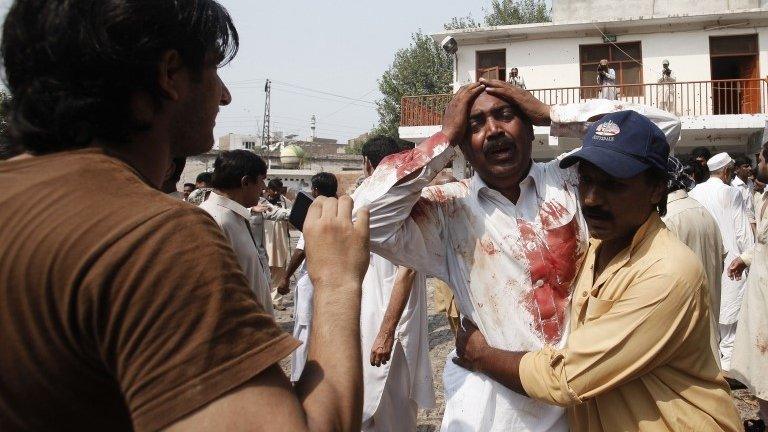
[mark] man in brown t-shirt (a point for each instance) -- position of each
(129, 311)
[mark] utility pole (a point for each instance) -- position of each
(265, 139)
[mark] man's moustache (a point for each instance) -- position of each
(596, 213)
(499, 144)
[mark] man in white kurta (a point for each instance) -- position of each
(727, 206)
(750, 354)
(690, 222)
(302, 315)
(260, 213)
(510, 265)
(745, 185)
(234, 220)
(393, 390)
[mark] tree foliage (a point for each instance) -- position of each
(505, 12)
(422, 68)
(508, 12)
(461, 23)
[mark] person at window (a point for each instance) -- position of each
(606, 79)
(515, 79)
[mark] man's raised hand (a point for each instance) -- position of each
(456, 117)
(533, 108)
(338, 250)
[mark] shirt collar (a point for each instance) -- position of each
(230, 204)
(677, 195)
(737, 182)
(713, 179)
(477, 184)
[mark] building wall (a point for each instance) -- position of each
(596, 10)
(330, 163)
(547, 63)
(237, 141)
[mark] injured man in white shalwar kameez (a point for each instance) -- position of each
(510, 265)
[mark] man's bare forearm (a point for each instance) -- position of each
(296, 258)
(330, 389)
(503, 367)
(401, 291)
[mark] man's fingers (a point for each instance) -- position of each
(473, 93)
(468, 87)
(458, 361)
(495, 83)
(362, 223)
(315, 210)
(330, 208)
(345, 208)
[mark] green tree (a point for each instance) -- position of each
(461, 23)
(505, 12)
(422, 68)
(509, 12)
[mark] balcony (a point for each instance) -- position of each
(685, 99)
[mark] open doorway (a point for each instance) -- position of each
(734, 67)
(491, 64)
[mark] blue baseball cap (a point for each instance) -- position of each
(623, 144)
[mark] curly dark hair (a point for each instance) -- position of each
(72, 65)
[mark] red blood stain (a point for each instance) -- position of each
(553, 256)
(488, 247)
(762, 345)
(419, 211)
(437, 195)
(406, 162)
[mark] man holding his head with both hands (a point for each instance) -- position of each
(512, 243)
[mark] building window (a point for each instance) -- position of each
(491, 64)
(620, 58)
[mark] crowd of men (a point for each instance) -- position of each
(612, 288)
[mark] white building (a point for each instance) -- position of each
(233, 141)
(718, 52)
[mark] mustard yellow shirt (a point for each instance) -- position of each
(637, 357)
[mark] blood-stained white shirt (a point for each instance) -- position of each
(510, 265)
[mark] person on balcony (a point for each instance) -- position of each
(515, 79)
(606, 79)
(667, 94)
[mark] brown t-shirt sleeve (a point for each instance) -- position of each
(173, 319)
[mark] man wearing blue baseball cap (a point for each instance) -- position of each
(637, 356)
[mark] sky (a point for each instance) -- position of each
(315, 51)
(311, 46)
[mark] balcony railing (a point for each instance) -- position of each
(691, 98)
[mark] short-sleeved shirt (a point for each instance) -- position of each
(121, 308)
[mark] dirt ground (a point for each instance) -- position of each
(441, 343)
